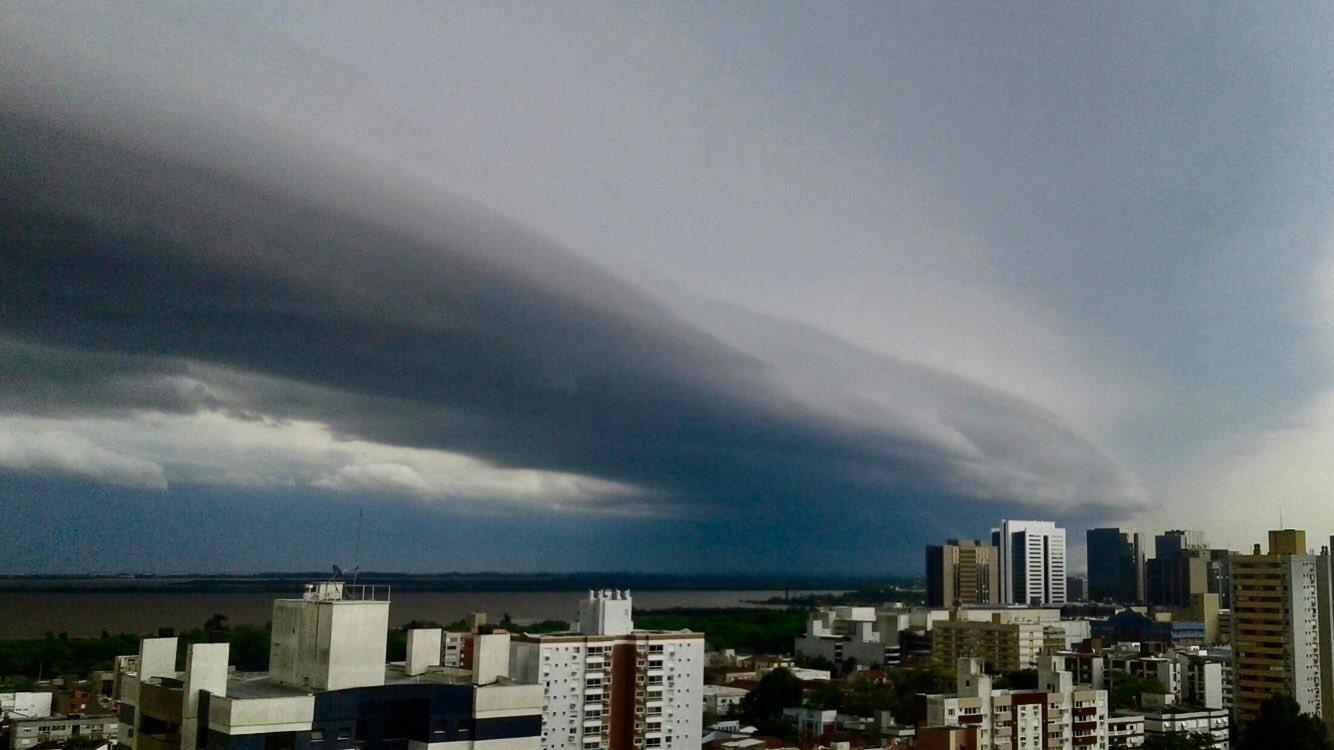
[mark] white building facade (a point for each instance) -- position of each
(1056, 716)
(611, 687)
(1032, 562)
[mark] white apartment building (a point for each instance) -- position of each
(1204, 680)
(1032, 562)
(1056, 716)
(611, 687)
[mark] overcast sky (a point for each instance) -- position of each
(705, 287)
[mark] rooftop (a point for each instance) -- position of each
(250, 685)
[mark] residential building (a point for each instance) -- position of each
(1125, 729)
(1116, 566)
(1190, 677)
(328, 688)
(1276, 628)
(28, 732)
(1032, 562)
(1005, 643)
(609, 686)
(1204, 680)
(1164, 669)
(962, 571)
(1056, 716)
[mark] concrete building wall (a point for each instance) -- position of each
(423, 649)
(1032, 562)
(491, 657)
(329, 644)
(205, 669)
(357, 639)
(606, 612)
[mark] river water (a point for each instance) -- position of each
(30, 614)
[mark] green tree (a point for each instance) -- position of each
(816, 662)
(777, 690)
(827, 696)
(906, 684)
(1023, 679)
(864, 697)
(1281, 719)
(1127, 689)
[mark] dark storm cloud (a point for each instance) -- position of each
(135, 283)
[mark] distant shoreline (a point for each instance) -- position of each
(442, 582)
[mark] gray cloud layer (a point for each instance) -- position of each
(135, 276)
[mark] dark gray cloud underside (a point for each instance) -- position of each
(126, 273)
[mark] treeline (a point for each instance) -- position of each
(768, 631)
(23, 661)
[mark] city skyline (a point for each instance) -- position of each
(680, 288)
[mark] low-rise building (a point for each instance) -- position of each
(842, 633)
(25, 705)
(1125, 729)
(811, 723)
(1129, 626)
(721, 700)
(1057, 716)
(328, 688)
(24, 733)
(1166, 718)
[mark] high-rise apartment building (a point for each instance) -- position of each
(1032, 562)
(1116, 566)
(611, 687)
(1276, 629)
(962, 571)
